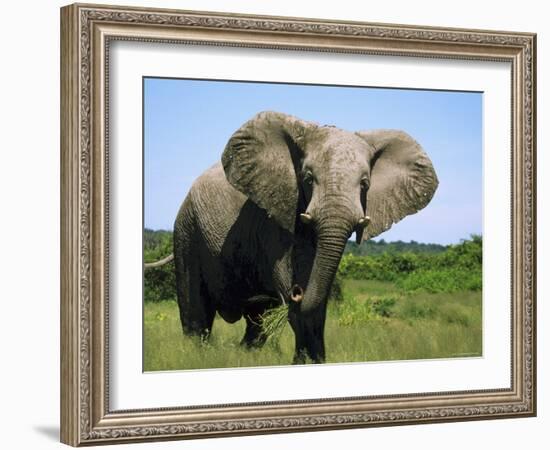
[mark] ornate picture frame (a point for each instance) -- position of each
(87, 32)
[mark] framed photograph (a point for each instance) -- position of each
(276, 224)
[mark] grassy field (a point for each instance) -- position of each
(376, 321)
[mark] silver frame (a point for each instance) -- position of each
(86, 33)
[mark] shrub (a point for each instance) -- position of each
(442, 280)
(367, 268)
(384, 267)
(156, 244)
(159, 283)
(353, 312)
(383, 306)
(458, 268)
(466, 255)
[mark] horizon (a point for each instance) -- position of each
(186, 124)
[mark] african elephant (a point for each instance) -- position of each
(268, 225)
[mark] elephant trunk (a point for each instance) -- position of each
(332, 236)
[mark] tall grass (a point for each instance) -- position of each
(166, 348)
(375, 321)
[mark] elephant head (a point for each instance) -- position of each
(331, 182)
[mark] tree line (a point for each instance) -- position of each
(412, 266)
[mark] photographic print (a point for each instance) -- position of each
(294, 224)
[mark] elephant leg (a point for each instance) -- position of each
(310, 342)
(300, 351)
(196, 310)
(309, 337)
(207, 314)
(316, 344)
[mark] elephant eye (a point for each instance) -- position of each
(364, 183)
(308, 177)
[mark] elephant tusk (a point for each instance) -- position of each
(306, 218)
(364, 221)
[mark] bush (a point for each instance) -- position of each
(156, 244)
(466, 255)
(159, 283)
(458, 268)
(383, 305)
(384, 267)
(444, 280)
(353, 312)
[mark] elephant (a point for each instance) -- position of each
(268, 224)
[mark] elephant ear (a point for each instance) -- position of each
(261, 159)
(402, 180)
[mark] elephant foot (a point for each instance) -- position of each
(299, 358)
(202, 336)
(303, 358)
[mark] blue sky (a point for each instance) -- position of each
(188, 122)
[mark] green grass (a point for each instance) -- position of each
(376, 321)
(166, 348)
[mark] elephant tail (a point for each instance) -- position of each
(160, 262)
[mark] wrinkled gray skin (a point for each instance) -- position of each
(239, 244)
